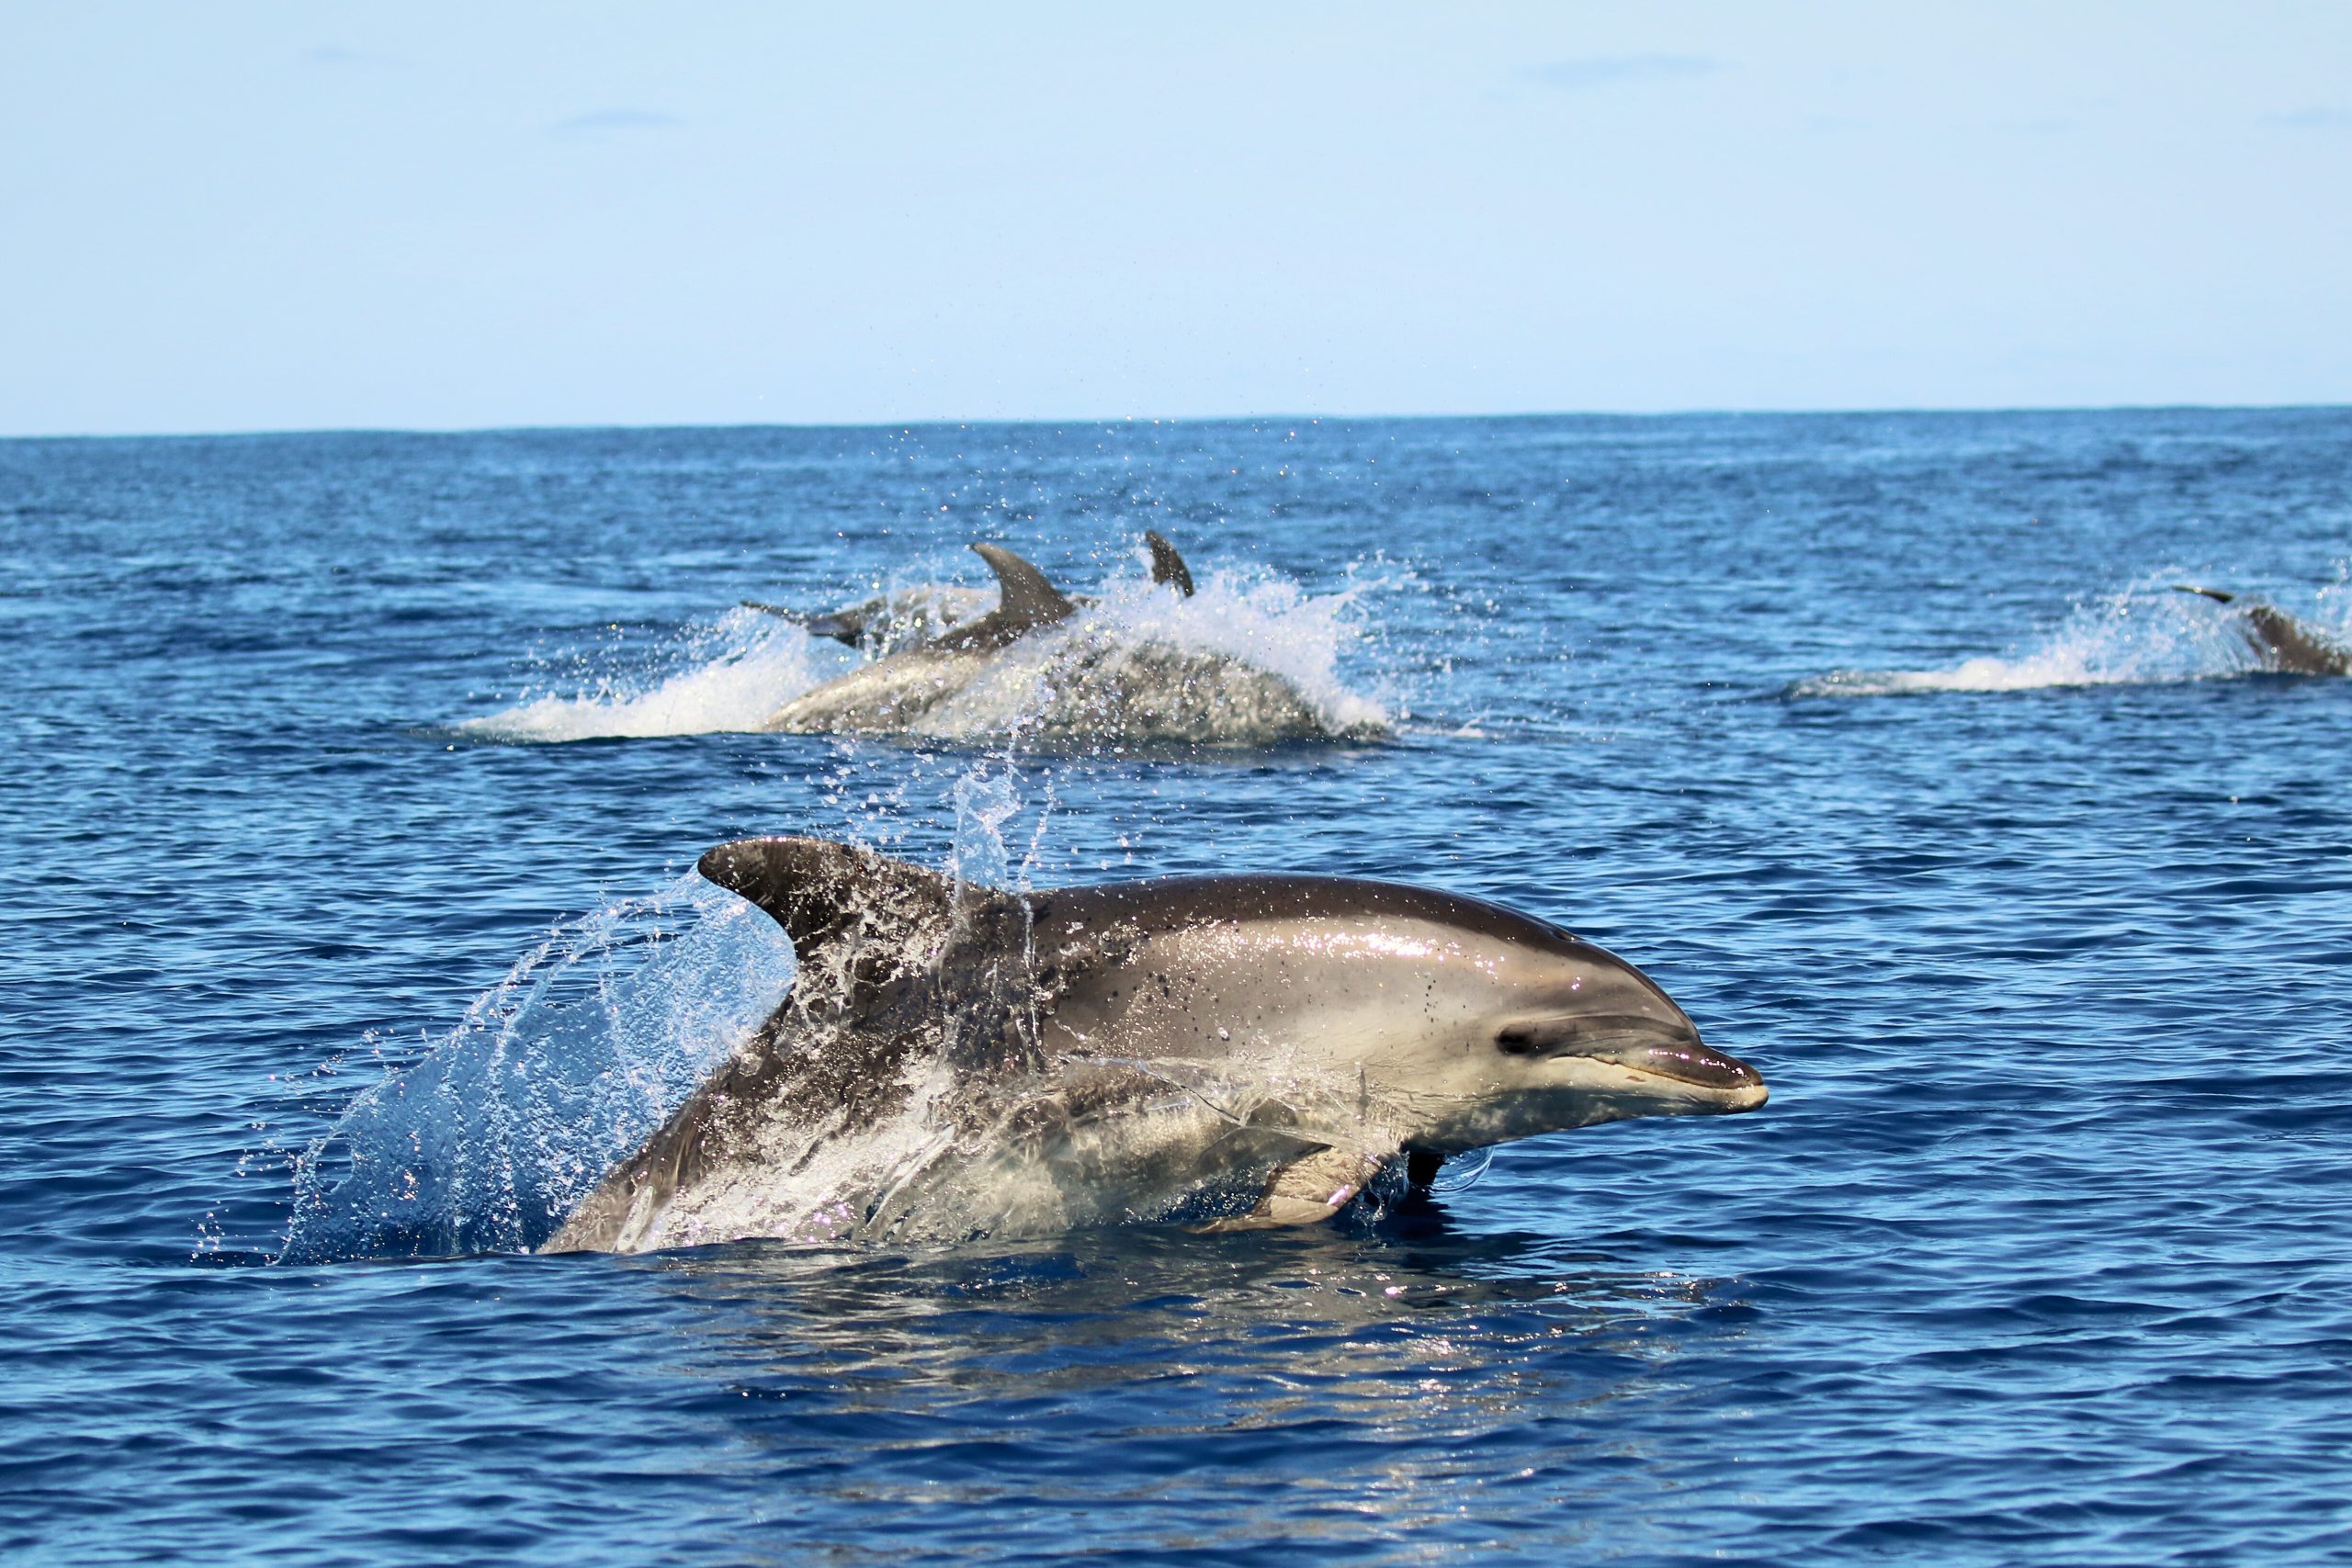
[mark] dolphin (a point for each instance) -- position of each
(914, 617)
(1106, 1053)
(2283, 644)
(908, 618)
(898, 687)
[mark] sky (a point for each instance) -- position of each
(246, 216)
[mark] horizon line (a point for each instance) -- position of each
(1109, 421)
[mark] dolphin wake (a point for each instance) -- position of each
(713, 677)
(2146, 634)
(1248, 660)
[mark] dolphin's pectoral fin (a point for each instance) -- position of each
(786, 611)
(2213, 593)
(1308, 1189)
(1167, 565)
(1025, 597)
(820, 891)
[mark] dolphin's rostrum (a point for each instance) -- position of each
(1114, 1052)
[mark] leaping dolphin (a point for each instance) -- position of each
(2283, 644)
(1103, 1052)
(900, 687)
(914, 617)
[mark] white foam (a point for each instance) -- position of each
(1268, 623)
(1245, 660)
(2147, 634)
(724, 676)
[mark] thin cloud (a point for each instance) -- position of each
(2311, 120)
(1608, 70)
(621, 119)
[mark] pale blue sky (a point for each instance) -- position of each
(239, 216)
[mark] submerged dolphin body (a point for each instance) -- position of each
(914, 616)
(2283, 644)
(1099, 687)
(986, 1062)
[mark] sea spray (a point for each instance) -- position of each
(986, 797)
(2145, 634)
(715, 676)
(589, 1042)
(597, 1036)
(1251, 658)
(1245, 661)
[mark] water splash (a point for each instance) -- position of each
(986, 799)
(721, 676)
(2146, 634)
(590, 1043)
(1249, 660)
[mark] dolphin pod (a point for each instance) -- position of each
(1285, 1040)
(1096, 687)
(2283, 644)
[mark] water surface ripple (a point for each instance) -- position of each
(1878, 741)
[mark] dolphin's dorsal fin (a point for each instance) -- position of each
(820, 891)
(1167, 565)
(1025, 597)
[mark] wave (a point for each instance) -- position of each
(2146, 634)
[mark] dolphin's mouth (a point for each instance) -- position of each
(1688, 1062)
(1632, 1040)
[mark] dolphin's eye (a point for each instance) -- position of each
(1519, 1040)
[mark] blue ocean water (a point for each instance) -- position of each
(1880, 740)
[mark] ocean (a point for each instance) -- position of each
(354, 785)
